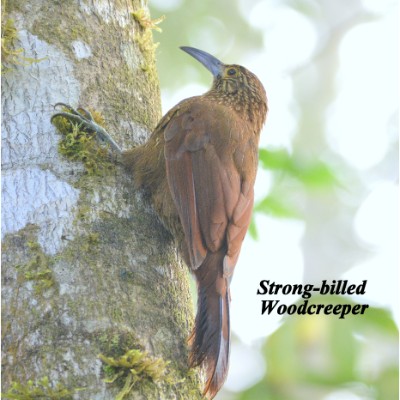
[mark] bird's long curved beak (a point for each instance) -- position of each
(210, 62)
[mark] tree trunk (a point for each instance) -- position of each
(87, 268)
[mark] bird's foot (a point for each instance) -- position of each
(85, 120)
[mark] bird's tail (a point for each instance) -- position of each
(210, 339)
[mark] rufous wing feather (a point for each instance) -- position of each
(214, 204)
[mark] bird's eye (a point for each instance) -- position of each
(231, 71)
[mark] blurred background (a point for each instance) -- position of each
(327, 186)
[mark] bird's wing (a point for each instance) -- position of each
(204, 152)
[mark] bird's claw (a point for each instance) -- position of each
(86, 113)
(80, 116)
(84, 119)
(67, 107)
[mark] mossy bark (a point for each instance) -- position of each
(87, 266)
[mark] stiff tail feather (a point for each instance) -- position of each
(210, 339)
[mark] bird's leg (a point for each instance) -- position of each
(84, 119)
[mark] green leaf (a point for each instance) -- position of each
(342, 349)
(253, 229)
(312, 174)
(270, 205)
(274, 159)
(317, 175)
(380, 319)
(388, 384)
(324, 352)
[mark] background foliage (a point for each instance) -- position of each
(326, 192)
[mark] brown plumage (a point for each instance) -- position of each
(199, 167)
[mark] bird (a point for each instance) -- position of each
(199, 167)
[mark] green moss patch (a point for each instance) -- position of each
(41, 389)
(11, 54)
(134, 366)
(38, 269)
(79, 145)
(144, 39)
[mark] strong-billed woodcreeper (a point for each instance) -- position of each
(199, 167)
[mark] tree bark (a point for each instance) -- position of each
(87, 267)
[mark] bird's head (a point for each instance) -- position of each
(233, 84)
